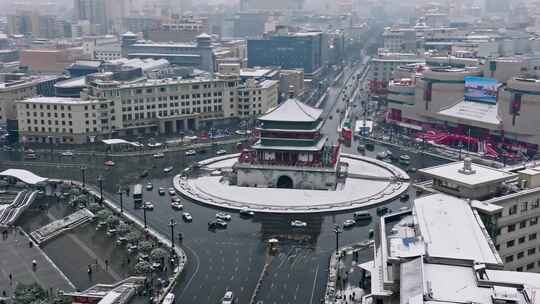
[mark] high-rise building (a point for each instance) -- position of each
(95, 12)
(289, 51)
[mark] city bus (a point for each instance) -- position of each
(138, 193)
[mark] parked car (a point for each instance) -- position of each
(168, 169)
(159, 155)
(361, 216)
(246, 212)
(149, 186)
(172, 191)
(228, 298)
(148, 206)
(221, 152)
(67, 153)
(191, 152)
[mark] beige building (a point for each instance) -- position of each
(14, 90)
(256, 98)
(59, 120)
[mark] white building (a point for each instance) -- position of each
(440, 252)
(510, 207)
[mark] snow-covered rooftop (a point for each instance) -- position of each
(479, 112)
(25, 176)
(481, 174)
(292, 110)
(451, 230)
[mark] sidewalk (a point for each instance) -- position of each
(16, 257)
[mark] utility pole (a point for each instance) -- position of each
(172, 223)
(121, 193)
(337, 230)
(100, 181)
(83, 173)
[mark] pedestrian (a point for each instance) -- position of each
(128, 261)
(34, 265)
(106, 265)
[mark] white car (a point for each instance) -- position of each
(177, 206)
(297, 223)
(149, 186)
(223, 216)
(228, 298)
(172, 191)
(168, 169)
(191, 152)
(221, 152)
(187, 216)
(148, 206)
(349, 223)
(159, 155)
(155, 145)
(67, 153)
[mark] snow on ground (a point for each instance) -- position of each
(356, 193)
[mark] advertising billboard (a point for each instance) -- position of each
(481, 89)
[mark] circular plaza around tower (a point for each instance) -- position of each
(368, 182)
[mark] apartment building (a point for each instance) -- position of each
(256, 98)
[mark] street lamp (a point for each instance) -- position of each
(337, 230)
(460, 147)
(144, 216)
(172, 223)
(120, 192)
(100, 181)
(83, 173)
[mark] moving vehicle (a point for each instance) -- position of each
(172, 191)
(67, 153)
(217, 224)
(298, 224)
(221, 152)
(361, 148)
(30, 156)
(149, 186)
(187, 217)
(159, 155)
(177, 206)
(148, 206)
(109, 163)
(168, 169)
(191, 152)
(246, 212)
(349, 223)
(382, 155)
(361, 216)
(405, 159)
(137, 193)
(223, 216)
(228, 298)
(144, 174)
(161, 191)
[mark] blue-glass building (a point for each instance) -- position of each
(291, 51)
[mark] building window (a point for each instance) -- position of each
(530, 266)
(520, 255)
(510, 258)
(512, 210)
(522, 224)
(533, 221)
(524, 206)
(535, 204)
(521, 240)
(532, 236)
(511, 227)
(531, 251)
(510, 244)
(519, 269)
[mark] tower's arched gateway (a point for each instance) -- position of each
(285, 182)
